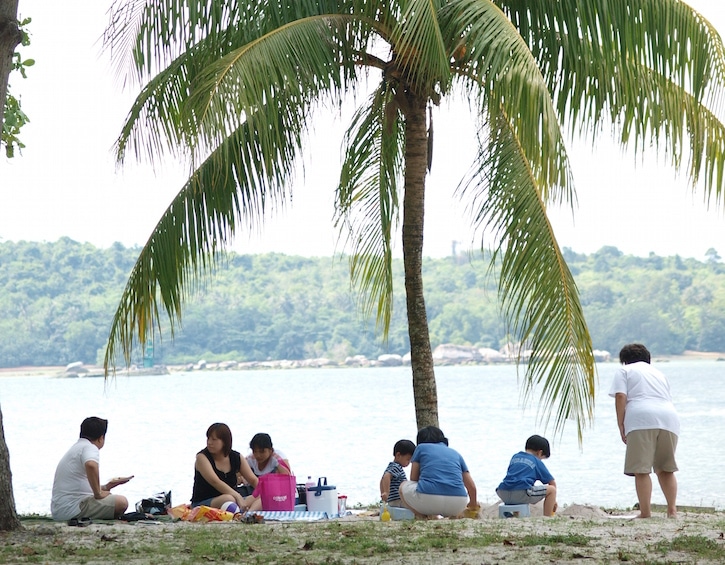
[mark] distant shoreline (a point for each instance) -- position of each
(52, 371)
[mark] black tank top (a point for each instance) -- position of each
(202, 489)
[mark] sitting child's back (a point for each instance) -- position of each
(525, 469)
(395, 473)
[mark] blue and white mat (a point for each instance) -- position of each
(292, 515)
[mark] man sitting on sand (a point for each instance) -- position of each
(77, 490)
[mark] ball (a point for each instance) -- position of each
(231, 507)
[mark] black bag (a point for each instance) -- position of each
(244, 490)
(156, 504)
(135, 516)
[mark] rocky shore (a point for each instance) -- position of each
(443, 355)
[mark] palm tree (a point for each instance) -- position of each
(232, 87)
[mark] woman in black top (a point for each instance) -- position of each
(218, 469)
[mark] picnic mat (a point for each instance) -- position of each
(291, 515)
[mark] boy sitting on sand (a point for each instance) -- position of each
(524, 470)
(395, 473)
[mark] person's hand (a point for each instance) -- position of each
(472, 509)
(239, 499)
(384, 496)
(117, 481)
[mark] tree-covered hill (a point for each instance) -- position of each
(57, 299)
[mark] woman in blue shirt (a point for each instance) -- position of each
(440, 483)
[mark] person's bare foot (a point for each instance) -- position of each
(643, 516)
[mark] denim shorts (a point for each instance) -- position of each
(205, 502)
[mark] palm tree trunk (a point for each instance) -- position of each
(8, 517)
(416, 164)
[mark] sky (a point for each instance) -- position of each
(66, 182)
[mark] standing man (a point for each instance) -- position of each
(77, 490)
(648, 424)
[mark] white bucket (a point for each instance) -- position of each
(322, 498)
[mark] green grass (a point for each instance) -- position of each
(360, 542)
(700, 546)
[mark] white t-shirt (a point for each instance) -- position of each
(649, 403)
(71, 485)
(271, 465)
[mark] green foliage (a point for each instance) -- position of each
(57, 300)
(14, 118)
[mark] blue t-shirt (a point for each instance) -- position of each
(441, 470)
(397, 476)
(524, 470)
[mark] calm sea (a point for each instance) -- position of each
(342, 424)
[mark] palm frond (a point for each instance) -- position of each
(540, 301)
(419, 48)
(652, 70)
(367, 200)
(144, 36)
(233, 184)
(499, 66)
(203, 95)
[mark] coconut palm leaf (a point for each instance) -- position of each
(367, 201)
(539, 298)
(618, 67)
(197, 226)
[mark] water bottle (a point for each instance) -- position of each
(310, 484)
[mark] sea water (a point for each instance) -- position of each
(342, 424)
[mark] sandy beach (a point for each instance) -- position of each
(576, 534)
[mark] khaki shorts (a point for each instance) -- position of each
(99, 508)
(431, 504)
(648, 449)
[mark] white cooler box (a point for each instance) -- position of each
(322, 498)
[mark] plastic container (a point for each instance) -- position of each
(341, 505)
(396, 513)
(513, 510)
(277, 491)
(322, 498)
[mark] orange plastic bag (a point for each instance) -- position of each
(200, 514)
(179, 512)
(209, 514)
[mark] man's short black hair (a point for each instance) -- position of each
(261, 441)
(404, 447)
(634, 352)
(93, 427)
(538, 443)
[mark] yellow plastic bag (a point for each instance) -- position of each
(201, 514)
